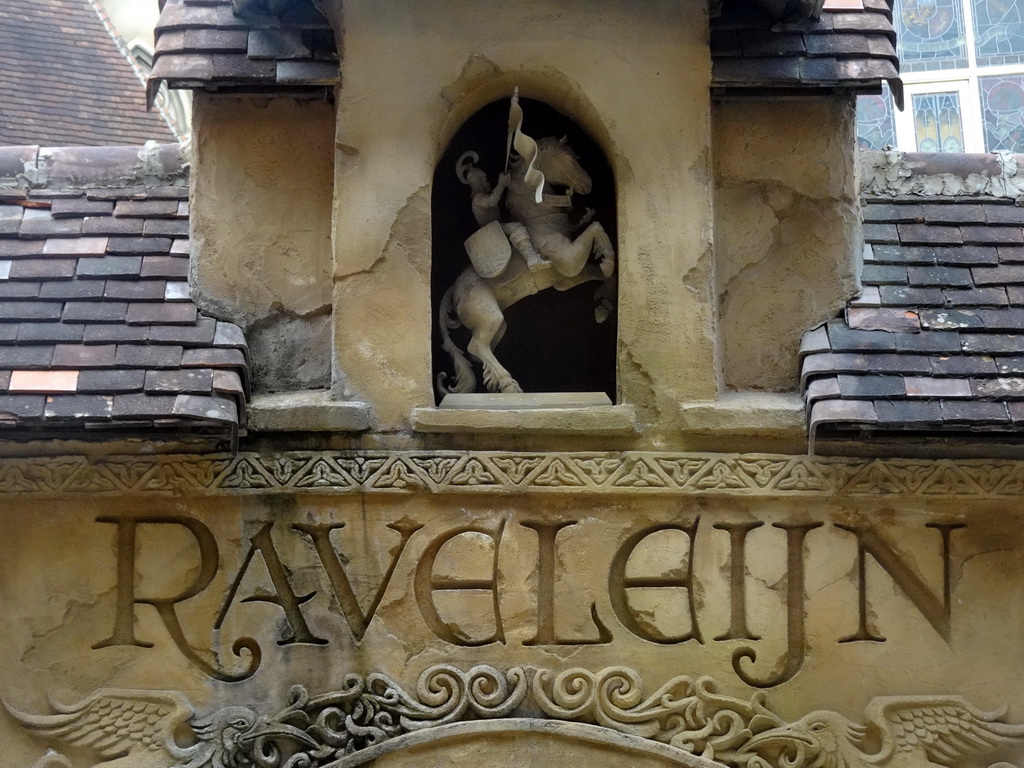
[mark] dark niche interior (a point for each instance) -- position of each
(552, 343)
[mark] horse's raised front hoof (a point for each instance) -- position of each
(607, 264)
(603, 310)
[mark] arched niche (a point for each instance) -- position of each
(553, 341)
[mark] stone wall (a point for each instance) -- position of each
(787, 231)
(822, 583)
(261, 231)
(622, 74)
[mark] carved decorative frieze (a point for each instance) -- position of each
(500, 472)
(373, 711)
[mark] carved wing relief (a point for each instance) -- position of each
(137, 728)
(114, 723)
(945, 728)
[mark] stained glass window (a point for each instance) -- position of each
(931, 34)
(875, 128)
(937, 123)
(1002, 112)
(998, 32)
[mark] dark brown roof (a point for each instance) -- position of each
(935, 342)
(65, 82)
(203, 44)
(97, 329)
(846, 47)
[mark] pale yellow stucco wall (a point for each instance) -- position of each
(414, 73)
(261, 229)
(787, 230)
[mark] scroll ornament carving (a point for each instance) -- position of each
(137, 728)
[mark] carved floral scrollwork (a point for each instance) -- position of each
(686, 714)
(368, 710)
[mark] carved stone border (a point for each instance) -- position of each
(686, 720)
(647, 473)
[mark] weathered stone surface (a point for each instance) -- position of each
(787, 232)
(384, 169)
(742, 568)
(261, 239)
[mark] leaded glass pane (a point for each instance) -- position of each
(998, 32)
(937, 123)
(875, 127)
(1002, 112)
(930, 34)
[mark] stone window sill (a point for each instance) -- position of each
(308, 411)
(583, 413)
(746, 413)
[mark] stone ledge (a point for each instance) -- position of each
(747, 413)
(607, 420)
(307, 411)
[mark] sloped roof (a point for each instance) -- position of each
(243, 47)
(852, 45)
(204, 44)
(935, 341)
(65, 82)
(97, 329)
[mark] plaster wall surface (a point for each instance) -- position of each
(261, 231)
(635, 77)
(550, 581)
(787, 231)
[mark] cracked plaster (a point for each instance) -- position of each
(261, 235)
(389, 139)
(787, 228)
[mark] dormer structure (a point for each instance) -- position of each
(520, 383)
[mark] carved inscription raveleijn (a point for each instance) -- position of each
(414, 549)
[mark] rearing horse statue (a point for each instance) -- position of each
(547, 251)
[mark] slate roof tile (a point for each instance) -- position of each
(1000, 388)
(94, 311)
(78, 407)
(1010, 254)
(164, 266)
(18, 407)
(166, 313)
(75, 246)
(112, 381)
(898, 295)
(147, 356)
(107, 225)
(16, 289)
(72, 289)
(135, 290)
(83, 355)
(881, 233)
(958, 267)
(182, 381)
(29, 333)
(97, 327)
(96, 333)
(42, 269)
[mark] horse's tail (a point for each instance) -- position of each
(465, 381)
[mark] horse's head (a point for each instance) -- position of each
(559, 164)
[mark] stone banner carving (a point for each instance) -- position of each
(643, 472)
(372, 714)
